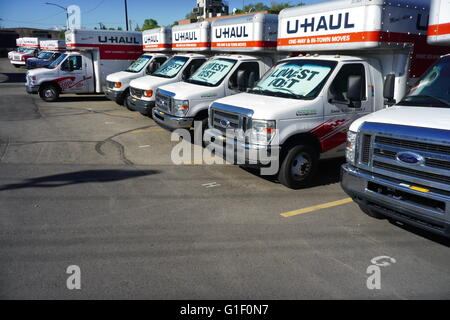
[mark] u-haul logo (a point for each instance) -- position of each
(184, 36)
(322, 23)
(117, 39)
(233, 33)
(151, 39)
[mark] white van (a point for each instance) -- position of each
(193, 38)
(28, 48)
(398, 159)
(92, 55)
(157, 49)
(301, 110)
(247, 45)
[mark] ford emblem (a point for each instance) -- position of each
(225, 123)
(410, 158)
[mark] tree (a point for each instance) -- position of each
(275, 7)
(119, 28)
(149, 24)
(191, 16)
(254, 7)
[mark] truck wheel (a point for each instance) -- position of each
(371, 213)
(125, 100)
(16, 65)
(298, 167)
(49, 93)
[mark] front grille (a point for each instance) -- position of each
(414, 145)
(412, 173)
(365, 148)
(137, 93)
(163, 102)
(110, 84)
(224, 121)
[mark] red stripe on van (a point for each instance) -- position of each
(157, 46)
(191, 45)
(439, 29)
(245, 44)
(112, 51)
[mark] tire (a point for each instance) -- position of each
(298, 167)
(49, 93)
(126, 94)
(371, 213)
(17, 66)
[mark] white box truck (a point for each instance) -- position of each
(301, 109)
(91, 56)
(398, 159)
(157, 49)
(18, 48)
(51, 49)
(246, 50)
(191, 45)
(28, 48)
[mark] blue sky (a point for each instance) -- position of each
(35, 13)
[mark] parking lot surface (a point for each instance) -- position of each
(84, 181)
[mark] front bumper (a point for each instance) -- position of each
(239, 152)
(409, 206)
(22, 63)
(31, 89)
(144, 107)
(113, 95)
(171, 122)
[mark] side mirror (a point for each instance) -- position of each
(355, 92)
(389, 89)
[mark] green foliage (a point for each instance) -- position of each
(149, 24)
(275, 7)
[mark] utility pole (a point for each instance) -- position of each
(65, 9)
(126, 13)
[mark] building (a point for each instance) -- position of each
(210, 8)
(33, 32)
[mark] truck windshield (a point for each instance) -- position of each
(28, 51)
(171, 68)
(433, 89)
(44, 55)
(139, 64)
(298, 79)
(212, 72)
(57, 62)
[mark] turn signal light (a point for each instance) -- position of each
(118, 84)
(148, 93)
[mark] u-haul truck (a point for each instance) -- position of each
(398, 159)
(300, 111)
(246, 50)
(157, 49)
(51, 49)
(18, 48)
(29, 47)
(191, 45)
(91, 56)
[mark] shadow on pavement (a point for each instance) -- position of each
(79, 98)
(421, 233)
(87, 176)
(12, 77)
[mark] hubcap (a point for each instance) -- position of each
(48, 93)
(301, 166)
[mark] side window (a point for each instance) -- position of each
(245, 76)
(192, 67)
(155, 64)
(76, 61)
(339, 87)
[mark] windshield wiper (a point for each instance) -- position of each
(440, 100)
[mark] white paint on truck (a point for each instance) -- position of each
(246, 50)
(91, 56)
(302, 108)
(439, 29)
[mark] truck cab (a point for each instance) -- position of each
(20, 57)
(178, 68)
(71, 72)
(178, 105)
(118, 83)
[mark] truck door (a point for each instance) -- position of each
(244, 77)
(338, 115)
(74, 77)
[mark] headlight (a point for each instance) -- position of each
(262, 131)
(148, 93)
(350, 151)
(117, 85)
(180, 107)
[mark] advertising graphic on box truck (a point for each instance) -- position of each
(50, 50)
(398, 159)
(157, 49)
(91, 56)
(192, 38)
(28, 48)
(301, 109)
(247, 44)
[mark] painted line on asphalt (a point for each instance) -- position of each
(147, 130)
(317, 207)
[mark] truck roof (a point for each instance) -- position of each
(251, 33)
(53, 44)
(157, 40)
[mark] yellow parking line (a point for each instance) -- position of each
(147, 130)
(317, 207)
